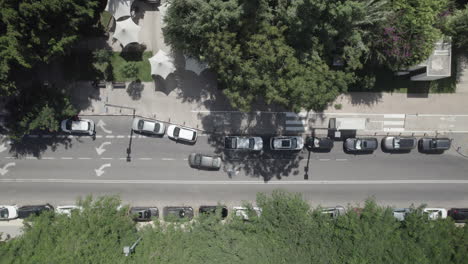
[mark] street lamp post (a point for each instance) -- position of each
(128, 250)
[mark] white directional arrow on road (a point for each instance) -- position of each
(100, 171)
(101, 124)
(4, 170)
(3, 148)
(101, 149)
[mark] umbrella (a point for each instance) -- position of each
(126, 31)
(119, 8)
(161, 64)
(194, 65)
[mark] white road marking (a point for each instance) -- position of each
(341, 159)
(4, 170)
(122, 158)
(106, 158)
(101, 171)
(31, 158)
(167, 159)
(48, 158)
(394, 129)
(10, 158)
(84, 158)
(394, 123)
(66, 158)
(101, 149)
(129, 136)
(144, 158)
(233, 182)
(120, 136)
(102, 125)
(185, 159)
(324, 159)
(98, 136)
(110, 136)
(394, 116)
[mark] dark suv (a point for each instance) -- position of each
(27, 210)
(141, 214)
(319, 144)
(212, 209)
(460, 215)
(434, 144)
(177, 213)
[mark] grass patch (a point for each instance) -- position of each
(144, 68)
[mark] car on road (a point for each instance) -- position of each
(319, 144)
(434, 144)
(243, 212)
(243, 143)
(143, 214)
(392, 143)
(286, 143)
(8, 212)
(205, 162)
(361, 144)
(334, 212)
(144, 126)
(67, 209)
(180, 133)
(178, 213)
(435, 213)
(27, 210)
(213, 209)
(460, 215)
(78, 126)
(401, 213)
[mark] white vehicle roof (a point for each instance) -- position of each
(184, 132)
(12, 211)
(66, 209)
(82, 125)
(288, 143)
(436, 213)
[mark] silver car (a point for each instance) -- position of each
(399, 143)
(287, 143)
(243, 143)
(148, 127)
(80, 126)
(207, 162)
(334, 212)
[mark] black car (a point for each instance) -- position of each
(27, 210)
(460, 215)
(212, 209)
(178, 213)
(434, 144)
(319, 144)
(364, 145)
(141, 214)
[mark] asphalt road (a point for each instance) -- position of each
(60, 168)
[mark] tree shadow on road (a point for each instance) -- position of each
(36, 146)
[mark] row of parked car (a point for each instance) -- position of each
(186, 213)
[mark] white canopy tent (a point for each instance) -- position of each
(119, 8)
(161, 64)
(126, 31)
(194, 65)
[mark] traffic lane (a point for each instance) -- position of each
(398, 195)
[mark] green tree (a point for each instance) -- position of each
(457, 27)
(130, 70)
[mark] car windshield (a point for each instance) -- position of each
(3, 213)
(141, 124)
(176, 132)
(232, 143)
(157, 126)
(293, 143)
(251, 143)
(68, 125)
(198, 159)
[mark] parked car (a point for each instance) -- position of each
(435, 213)
(78, 126)
(319, 144)
(243, 212)
(243, 143)
(67, 209)
(361, 144)
(178, 213)
(399, 143)
(179, 133)
(8, 212)
(206, 162)
(148, 127)
(142, 214)
(334, 212)
(401, 213)
(27, 210)
(213, 209)
(286, 143)
(434, 144)
(460, 215)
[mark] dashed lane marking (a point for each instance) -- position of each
(107, 158)
(120, 136)
(144, 158)
(98, 136)
(84, 158)
(341, 159)
(324, 159)
(31, 158)
(167, 159)
(48, 158)
(110, 136)
(66, 158)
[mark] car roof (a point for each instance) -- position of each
(80, 125)
(407, 142)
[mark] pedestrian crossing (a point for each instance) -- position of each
(296, 122)
(394, 122)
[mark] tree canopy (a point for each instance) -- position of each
(288, 231)
(302, 53)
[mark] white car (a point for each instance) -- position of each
(180, 133)
(435, 213)
(287, 143)
(81, 126)
(243, 143)
(67, 209)
(8, 212)
(243, 212)
(148, 126)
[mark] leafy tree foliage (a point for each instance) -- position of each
(130, 70)
(288, 231)
(457, 26)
